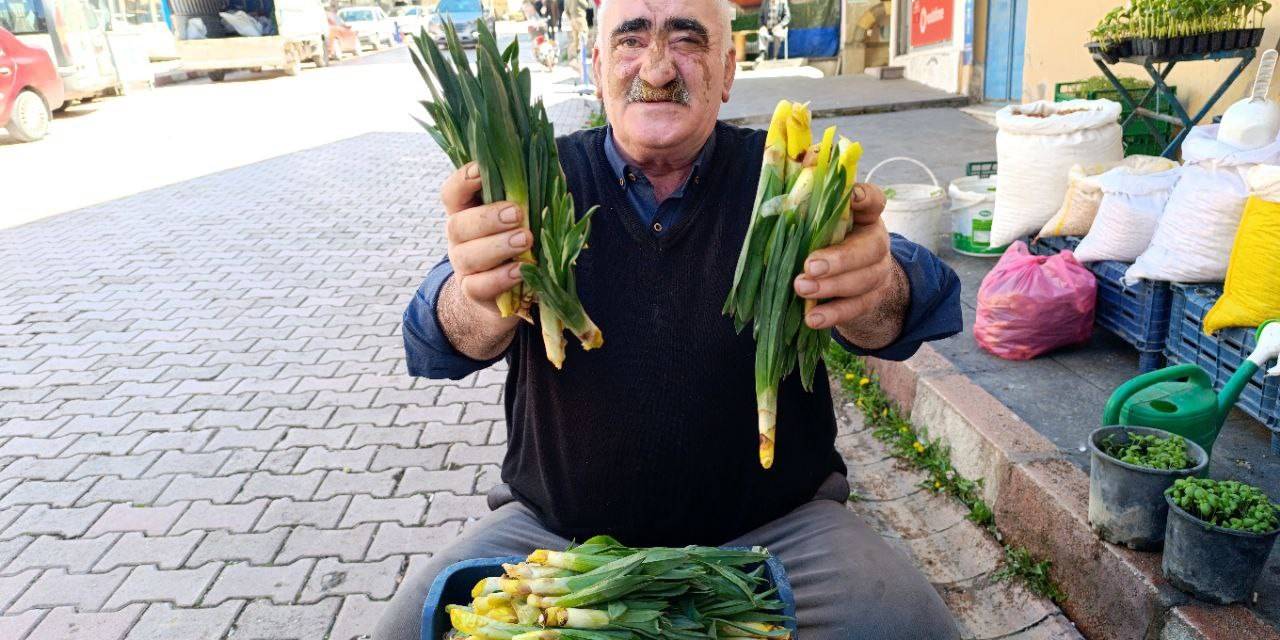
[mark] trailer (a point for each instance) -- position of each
(292, 32)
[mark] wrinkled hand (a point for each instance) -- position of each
(856, 281)
(484, 239)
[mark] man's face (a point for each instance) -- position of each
(663, 68)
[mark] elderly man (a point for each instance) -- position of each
(653, 438)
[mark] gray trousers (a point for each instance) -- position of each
(848, 582)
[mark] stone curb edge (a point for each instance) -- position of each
(1041, 501)
(861, 110)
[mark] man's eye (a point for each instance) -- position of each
(630, 42)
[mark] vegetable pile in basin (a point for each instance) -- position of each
(602, 590)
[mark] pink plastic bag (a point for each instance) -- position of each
(1030, 304)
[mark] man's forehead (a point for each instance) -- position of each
(658, 11)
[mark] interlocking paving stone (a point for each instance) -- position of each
(147, 583)
(308, 542)
(389, 457)
(65, 623)
(68, 522)
(55, 493)
(140, 491)
(332, 577)
(357, 618)
(220, 489)
(347, 460)
(407, 511)
(17, 626)
(207, 516)
(163, 621)
(271, 485)
(153, 521)
(241, 581)
(422, 481)
(288, 512)
(76, 555)
(56, 587)
(9, 549)
(224, 546)
(13, 586)
(447, 506)
(393, 538)
(261, 620)
(169, 552)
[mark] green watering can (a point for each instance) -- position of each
(1180, 399)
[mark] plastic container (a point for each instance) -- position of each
(1138, 313)
(1126, 501)
(1210, 562)
(1221, 354)
(973, 202)
(453, 586)
(914, 211)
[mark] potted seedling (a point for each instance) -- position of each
(1219, 535)
(1130, 468)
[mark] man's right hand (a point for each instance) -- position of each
(484, 240)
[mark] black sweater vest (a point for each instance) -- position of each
(653, 438)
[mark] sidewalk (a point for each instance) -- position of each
(753, 98)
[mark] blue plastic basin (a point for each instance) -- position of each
(453, 586)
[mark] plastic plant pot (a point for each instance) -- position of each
(1213, 563)
(1202, 43)
(1126, 502)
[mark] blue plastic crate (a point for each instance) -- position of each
(1138, 313)
(1052, 245)
(453, 586)
(1220, 355)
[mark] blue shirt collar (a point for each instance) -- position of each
(621, 169)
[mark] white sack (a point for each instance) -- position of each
(1132, 204)
(1036, 148)
(1080, 205)
(1194, 238)
(196, 29)
(242, 23)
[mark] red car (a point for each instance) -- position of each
(30, 89)
(343, 40)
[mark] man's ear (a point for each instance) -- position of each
(730, 69)
(595, 70)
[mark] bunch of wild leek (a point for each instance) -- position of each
(802, 205)
(602, 590)
(487, 115)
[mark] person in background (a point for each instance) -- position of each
(775, 18)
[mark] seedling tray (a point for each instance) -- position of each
(1221, 354)
(453, 586)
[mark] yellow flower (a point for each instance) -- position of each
(864, 382)
(799, 137)
(884, 412)
(919, 447)
(904, 430)
(850, 154)
(778, 125)
(848, 376)
(937, 485)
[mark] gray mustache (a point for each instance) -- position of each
(674, 91)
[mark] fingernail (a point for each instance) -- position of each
(509, 215)
(519, 239)
(817, 267)
(805, 286)
(816, 319)
(859, 193)
(514, 272)
(473, 171)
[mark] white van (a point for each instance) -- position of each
(275, 34)
(74, 34)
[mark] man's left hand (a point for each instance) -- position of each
(862, 292)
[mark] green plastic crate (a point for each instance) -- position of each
(1064, 91)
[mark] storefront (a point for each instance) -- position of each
(933, 41)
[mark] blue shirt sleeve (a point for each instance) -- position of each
(427, 350)
(933, 312)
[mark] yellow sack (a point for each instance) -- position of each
(1251, 294)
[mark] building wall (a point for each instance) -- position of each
(938, 65)
(1057, 31)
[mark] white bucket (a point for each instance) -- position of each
(914, 211)
(973, 201)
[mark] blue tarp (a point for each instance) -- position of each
(817, 42)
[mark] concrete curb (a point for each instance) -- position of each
(861, 110)
(1041, 501)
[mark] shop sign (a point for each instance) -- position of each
(930, 21)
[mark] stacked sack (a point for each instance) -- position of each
(1036, 147)
(1192, 242)
(1251, 294)
(1084, 193)
(1133, 201)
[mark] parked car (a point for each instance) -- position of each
(372, 24)
(343, 40)
(30, 89)
(409, 20)
(463, 14)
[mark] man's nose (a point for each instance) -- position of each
(658, 68)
